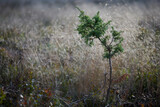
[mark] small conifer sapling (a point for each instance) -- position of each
(95, 28)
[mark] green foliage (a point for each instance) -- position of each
(95, 28)
(2, 96)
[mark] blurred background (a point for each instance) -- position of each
(28, 2)
(45, 62)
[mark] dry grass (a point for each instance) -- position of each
(61, 61)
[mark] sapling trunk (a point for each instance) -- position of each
(110, 79)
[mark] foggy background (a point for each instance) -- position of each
(17, 3)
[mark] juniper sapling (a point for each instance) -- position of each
(95, 28)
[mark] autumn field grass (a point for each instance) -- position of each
(44, 61)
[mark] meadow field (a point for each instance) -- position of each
(45, 62)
